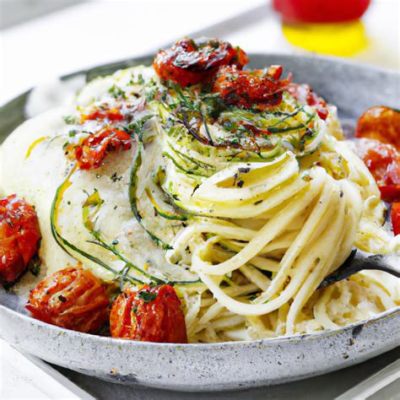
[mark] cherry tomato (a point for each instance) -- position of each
(395, 217)
(321, 11)
(189, 62)
(151, 314)
(91, 153)
(19, 237)
(383, 161)
(380, 123)
(305, 95)
(112, 115)
(247, 89)
(72, 298)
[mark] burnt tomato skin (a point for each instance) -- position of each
(380, 123)
(189, 61)
(150, 314)
(72, 298)
(19, 237)
(91, 153)
(256, 88)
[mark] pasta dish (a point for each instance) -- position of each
(196, 200)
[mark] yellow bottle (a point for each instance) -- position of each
(338, 39)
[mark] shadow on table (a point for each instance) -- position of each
(323, 387)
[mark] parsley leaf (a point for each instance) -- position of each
(70, 119)
(147, 297)
(116, 92)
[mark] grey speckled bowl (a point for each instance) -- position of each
(206, 367)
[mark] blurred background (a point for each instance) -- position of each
(41, 39)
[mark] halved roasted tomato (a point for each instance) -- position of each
(256, 88)
(19, 237)
(91, 153)
(72, 298)
(383, 161)
(151, 314)
(380, 123)
(190, 61)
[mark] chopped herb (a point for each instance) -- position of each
(72, 133)
(138, 126)
(195, 188)
(146, 296)
(115, 178)
(70, 119)
(116, 92)
(150, 94)
(138, 81)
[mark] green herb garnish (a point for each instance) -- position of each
(146, 296)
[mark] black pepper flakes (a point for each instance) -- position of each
(62, 298)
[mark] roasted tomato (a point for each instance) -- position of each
(395, 217)
(305, 95)
(256, 88)
(91, 153)
(151, 314)
(112, 115)
(383, 161)
(72, 298)
(19, 237)
(189, 62)
(380, 123)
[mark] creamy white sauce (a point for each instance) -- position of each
(37, 177)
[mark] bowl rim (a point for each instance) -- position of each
(354, 329)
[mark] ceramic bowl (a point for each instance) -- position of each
(233, 365)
